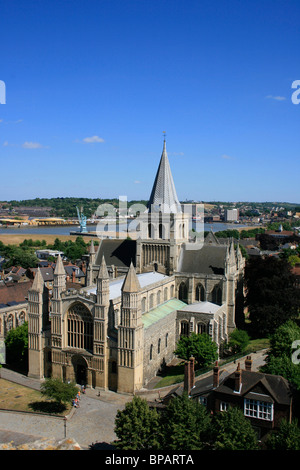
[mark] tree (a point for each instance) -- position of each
(185, 424)
(16, 343)
(20, 257)
(280, 355)
(238, 340)
(286, 438)
(272, 296)
(137, 426)
(58, 390)
(201, 346)
(232, 431)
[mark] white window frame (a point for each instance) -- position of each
(223, 406)
(258, 409)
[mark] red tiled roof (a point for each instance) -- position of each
(15, 292)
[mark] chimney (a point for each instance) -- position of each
(73, 277)
(187, 377)
(192, 372)
(237, 379)
(248, 363)
(83, 267)
(216, 375)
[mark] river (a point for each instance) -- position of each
(66, 229)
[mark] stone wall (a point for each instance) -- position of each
(163, 331)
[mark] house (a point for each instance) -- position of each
(45, 254)
(265, 399)
(47, 274)
(75, 274)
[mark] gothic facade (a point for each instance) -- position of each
(140, 297)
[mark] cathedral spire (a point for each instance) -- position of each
(163, 196)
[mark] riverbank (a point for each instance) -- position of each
(16, 239)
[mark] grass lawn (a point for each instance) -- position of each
(16, 397)
(175, 374)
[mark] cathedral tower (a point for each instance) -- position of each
(164, 227)
(57, 324)
(130, 336)
(38, 321)
(101, 326)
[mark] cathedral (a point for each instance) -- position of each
(140, 297)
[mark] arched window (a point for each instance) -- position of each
(161, 231)
(200, 293)
(182, 292)
(9, 322)
(151, 352)
(166, 343)
(184, 330)
(151, 303)
(217, 295)
(201, 328)
(158, 346)
(80, 329)
(21, 319)
(158, 298)
(150, 231)
(165, 294)
(143, 305)
(172, 291)
(116, 318)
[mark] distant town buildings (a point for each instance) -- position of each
(231, 215)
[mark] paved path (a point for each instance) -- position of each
(92, 423)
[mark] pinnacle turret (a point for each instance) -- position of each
(59, 267)
(131, 282)
(92, 248)
(103, 273)
(38, 282)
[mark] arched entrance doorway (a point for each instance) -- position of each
(80, 369)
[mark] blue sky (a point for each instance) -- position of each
(92, 85)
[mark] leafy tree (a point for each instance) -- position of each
(279, 360)
(238, 340)
(232, 431)
(283, 366)
(201, 346)
(282, 339)
(59, 391)
(286, 438)
(185, 424)
(272, 296)
(137, 426)
(16, 343)
(293, 259)
(20, 257)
